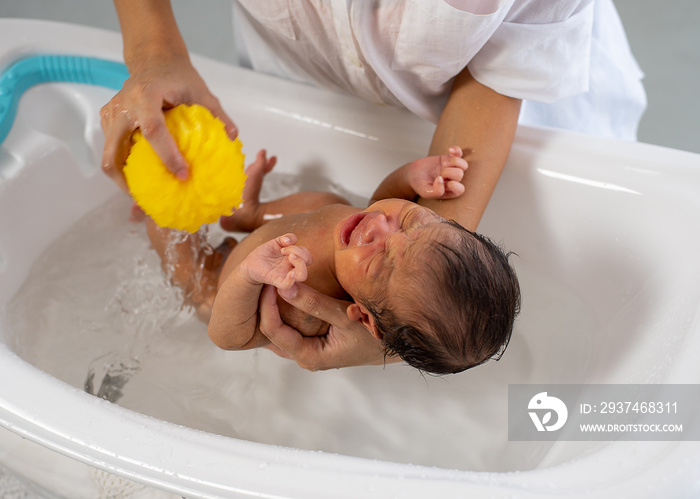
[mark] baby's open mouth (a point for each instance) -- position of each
(349, 227)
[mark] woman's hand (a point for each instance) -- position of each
(154, 85)
(347, 342)
(438, 177)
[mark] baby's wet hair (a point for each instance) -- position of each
(461, 307)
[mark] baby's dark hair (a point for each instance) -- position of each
(466, 316)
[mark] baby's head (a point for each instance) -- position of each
(441, 297)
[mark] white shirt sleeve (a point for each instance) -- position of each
(540, 52)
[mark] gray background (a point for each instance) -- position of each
(664, 37)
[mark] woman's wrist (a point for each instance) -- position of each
(142, 58)
(150, 33)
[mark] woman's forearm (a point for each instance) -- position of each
(149, 30)
(395, 185)
(482, 122)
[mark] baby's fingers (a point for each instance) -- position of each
(437, 190)
(286, 240)
(455, 151)
(298, 273)
(300, 252)
(452, 173)
(289, 280)
(299, 257)
(453, 189)
(454, 162)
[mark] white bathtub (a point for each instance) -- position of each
(606, 234)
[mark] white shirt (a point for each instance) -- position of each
(407, 52)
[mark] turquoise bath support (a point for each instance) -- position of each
(33, 70)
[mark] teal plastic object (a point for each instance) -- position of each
(30, 71)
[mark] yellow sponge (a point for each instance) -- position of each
(216, 179)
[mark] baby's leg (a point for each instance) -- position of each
(244, 219)
(191, 263)
(252, 214)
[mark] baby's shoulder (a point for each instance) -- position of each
(333, 213)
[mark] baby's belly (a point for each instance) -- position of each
(306, 324)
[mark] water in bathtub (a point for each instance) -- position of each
(98, 312)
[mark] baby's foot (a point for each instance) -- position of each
(137, 214)
(244, 219)
(225, 248)
(255, 172)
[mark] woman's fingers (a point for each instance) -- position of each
(229, 125)
(117, 145)
(287, 339)
(347, 342)
(156, 132)
(119, 122)
(316, 304)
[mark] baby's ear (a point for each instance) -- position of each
(358, 313)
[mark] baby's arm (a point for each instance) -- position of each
(434, 177)
(252, 213)
(235, 319)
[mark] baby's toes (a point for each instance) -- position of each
(226, 246)
(270, 164)
(136, 214)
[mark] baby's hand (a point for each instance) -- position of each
(278, 262)
(438, 177)
(244, 219)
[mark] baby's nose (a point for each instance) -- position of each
(377, 228)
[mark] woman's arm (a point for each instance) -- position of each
(149, 31)
(483, 123)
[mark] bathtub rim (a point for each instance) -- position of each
(200, 464)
